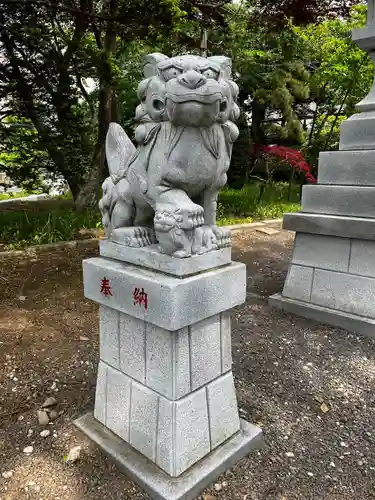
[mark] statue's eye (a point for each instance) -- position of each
(210, 73)
(170, 73)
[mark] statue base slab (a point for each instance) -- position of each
(158, 484)
(321, 314)
(150, 258)
(160, 299)
(331, 278)
(165, 385)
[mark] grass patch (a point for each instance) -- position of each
(241, 206)
(21, 194)
(25, 228)
(40, 223)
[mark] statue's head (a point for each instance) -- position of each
(188, 90)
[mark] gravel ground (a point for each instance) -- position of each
(310, 387)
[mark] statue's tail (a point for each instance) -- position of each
(119, 151)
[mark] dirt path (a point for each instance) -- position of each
(285, 369)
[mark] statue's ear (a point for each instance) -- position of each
(225, 64)
(151, 61)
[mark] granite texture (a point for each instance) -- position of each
(150, 258)
(165, 390)
(223, 412)
(226, 342)
(344, 292)
(350, 168)
(205, 351)
(357, 201)
(182, 364)
(159, 362)
(362, 258)
(172, 363)
(118, 399)
(100, 412)
(167, 190)
(132, 347)
(109, 335)
(339, 217)
(173, 434)
(144, 407)
(330, 225)
(325, 252)
(321, 314)
(358, 132)
(298, 282)
(172, 303)
(153, 480)
(191, 430)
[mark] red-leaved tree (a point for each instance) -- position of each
(292, 157)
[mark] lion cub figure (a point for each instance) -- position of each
(165, 190)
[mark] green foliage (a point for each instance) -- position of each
(240, 166)
(49, 52)
(244, 203)
(21, 157)
(271, 75)
(20, 229)
(20, 194)
(342, 77)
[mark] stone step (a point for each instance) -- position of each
(347, 168)
(330, 225)
(358, 132)
(357, 201)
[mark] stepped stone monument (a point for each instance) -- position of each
(165, 408)
(331, 277)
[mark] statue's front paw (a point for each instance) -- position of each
(193, 217)
(182, 254)
(135, 236)
(204, 240)
(223, 236)
(209, 238)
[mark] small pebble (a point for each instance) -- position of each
(43, 418)
(289, 454)
(28, 450)
(51, 401)
(310, 474)
(218, 487)
(53, 415)
(45, 433)
(7, 474)
(74, 454)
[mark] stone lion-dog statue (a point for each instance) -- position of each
(165, 191)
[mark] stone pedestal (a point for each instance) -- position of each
(331, 277)
(165, 386)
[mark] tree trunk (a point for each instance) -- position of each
(257, 137)
(91, 191)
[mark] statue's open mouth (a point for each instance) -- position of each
(194, 97)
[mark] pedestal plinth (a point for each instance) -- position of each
(331, 277)
(165, 396)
